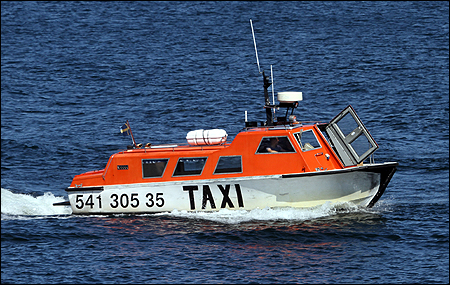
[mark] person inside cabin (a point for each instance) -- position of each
(274, 146)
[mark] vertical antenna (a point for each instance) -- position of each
(267, 106)
(273, 93)
(254, 42)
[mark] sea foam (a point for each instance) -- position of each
(267, 214)
(15, 205)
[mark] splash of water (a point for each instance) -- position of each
(15, 205)
(293, 214)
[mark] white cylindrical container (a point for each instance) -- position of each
(207, 137)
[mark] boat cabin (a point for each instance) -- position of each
(253, 152)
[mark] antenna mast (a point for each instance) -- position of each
(256, 50)
(273, 92)
(267, 106)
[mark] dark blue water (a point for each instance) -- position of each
(73, 72)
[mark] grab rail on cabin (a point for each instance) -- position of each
(187, 146)
(107, 166)
(173, 147)
(278, 127)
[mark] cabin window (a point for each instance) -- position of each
(152, 168)
(307, 140)
(275, 145)
(190, 166)
(229, 164)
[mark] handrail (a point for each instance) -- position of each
(185, 146)
(107, 166)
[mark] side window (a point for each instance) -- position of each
(229, 164)
(275, 145)
(152, 168)
(190, 166)
(307, 140)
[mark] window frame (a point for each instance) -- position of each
(189, 174)
(154, 159)
(228, 156)
(280, 152)
(298, 136)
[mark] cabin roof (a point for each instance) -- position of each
(185, 147)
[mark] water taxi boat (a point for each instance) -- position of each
(280, 162)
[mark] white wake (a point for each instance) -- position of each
(16, 205)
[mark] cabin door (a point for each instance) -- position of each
(350, 138)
